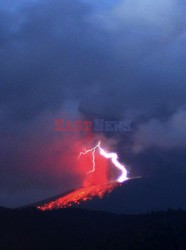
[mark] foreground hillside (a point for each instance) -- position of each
(83, 229)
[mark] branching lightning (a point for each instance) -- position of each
(113, 156)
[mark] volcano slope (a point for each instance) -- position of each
(133, 196)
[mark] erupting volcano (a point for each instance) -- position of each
(96, 183)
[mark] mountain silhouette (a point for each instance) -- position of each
(137, 196)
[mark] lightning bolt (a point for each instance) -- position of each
(113, 156)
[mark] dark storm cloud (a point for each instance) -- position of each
(38, 56)
(57, 50)
(124, 60)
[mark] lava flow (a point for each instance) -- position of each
(91, 190)
(79, 195)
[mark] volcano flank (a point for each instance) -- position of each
(133, 196)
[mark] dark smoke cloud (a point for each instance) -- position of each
(123, 60)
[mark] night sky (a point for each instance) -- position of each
(81, 59)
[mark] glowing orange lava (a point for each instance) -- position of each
(79, 195)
